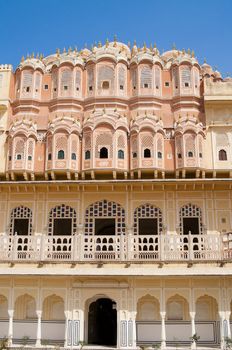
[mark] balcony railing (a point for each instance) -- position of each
(124, 248)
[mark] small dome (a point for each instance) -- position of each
(217, 74)
(170, 54)
(206, 68)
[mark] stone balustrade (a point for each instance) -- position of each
(123, 248)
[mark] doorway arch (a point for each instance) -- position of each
(102, 322)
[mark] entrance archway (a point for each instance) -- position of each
(102, 322)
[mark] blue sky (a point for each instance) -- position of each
(204, 26)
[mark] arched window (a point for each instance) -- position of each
(177, 308)
(62, 221)
(21, 221)
(87, 154)
(27, 81)
(3, 307)
(20, 148)
(105, 77)
(206, 308)
(146, 78)
(103, 152)
(190, 145)
(147, 153)
(25, 307)
(186, 77)
(179, 155)
(105, 85)
(159, 155)
(191, 220)
(222, 155)
(134, 155)
(66, 80)
(104, 218)
(53, 308)
(49, 156)
(148, 309)
(120, 154)
(148, 220)
(60, 154)
(121, 78)
(74, 157)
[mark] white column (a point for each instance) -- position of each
(134, 330)
(82, 329)
(163, 330)
(228, 313)
(10, 328)
(66, 329)
(193, 326)
(129, 246)
(38, 333)
(222, 317)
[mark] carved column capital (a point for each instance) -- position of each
(11, 313)
(39, 313)
(192, 314)
(163, 314)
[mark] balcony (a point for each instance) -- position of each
(116, 249)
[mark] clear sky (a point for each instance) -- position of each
(204, 26)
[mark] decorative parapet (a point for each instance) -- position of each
(6, 67)
(220, 90)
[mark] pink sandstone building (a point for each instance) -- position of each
(115, 200)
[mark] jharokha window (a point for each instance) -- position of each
(62, 221)
(21, 221)
(148, 220)
(105, 218)
(191, 220)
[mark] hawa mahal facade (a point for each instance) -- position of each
(115, 200)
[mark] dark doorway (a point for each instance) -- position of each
(148, 226)
(105, 227)
(103, 152)
(62, 227)
(191, 225)
(21, 227)
(102, 322)
(147, 153)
